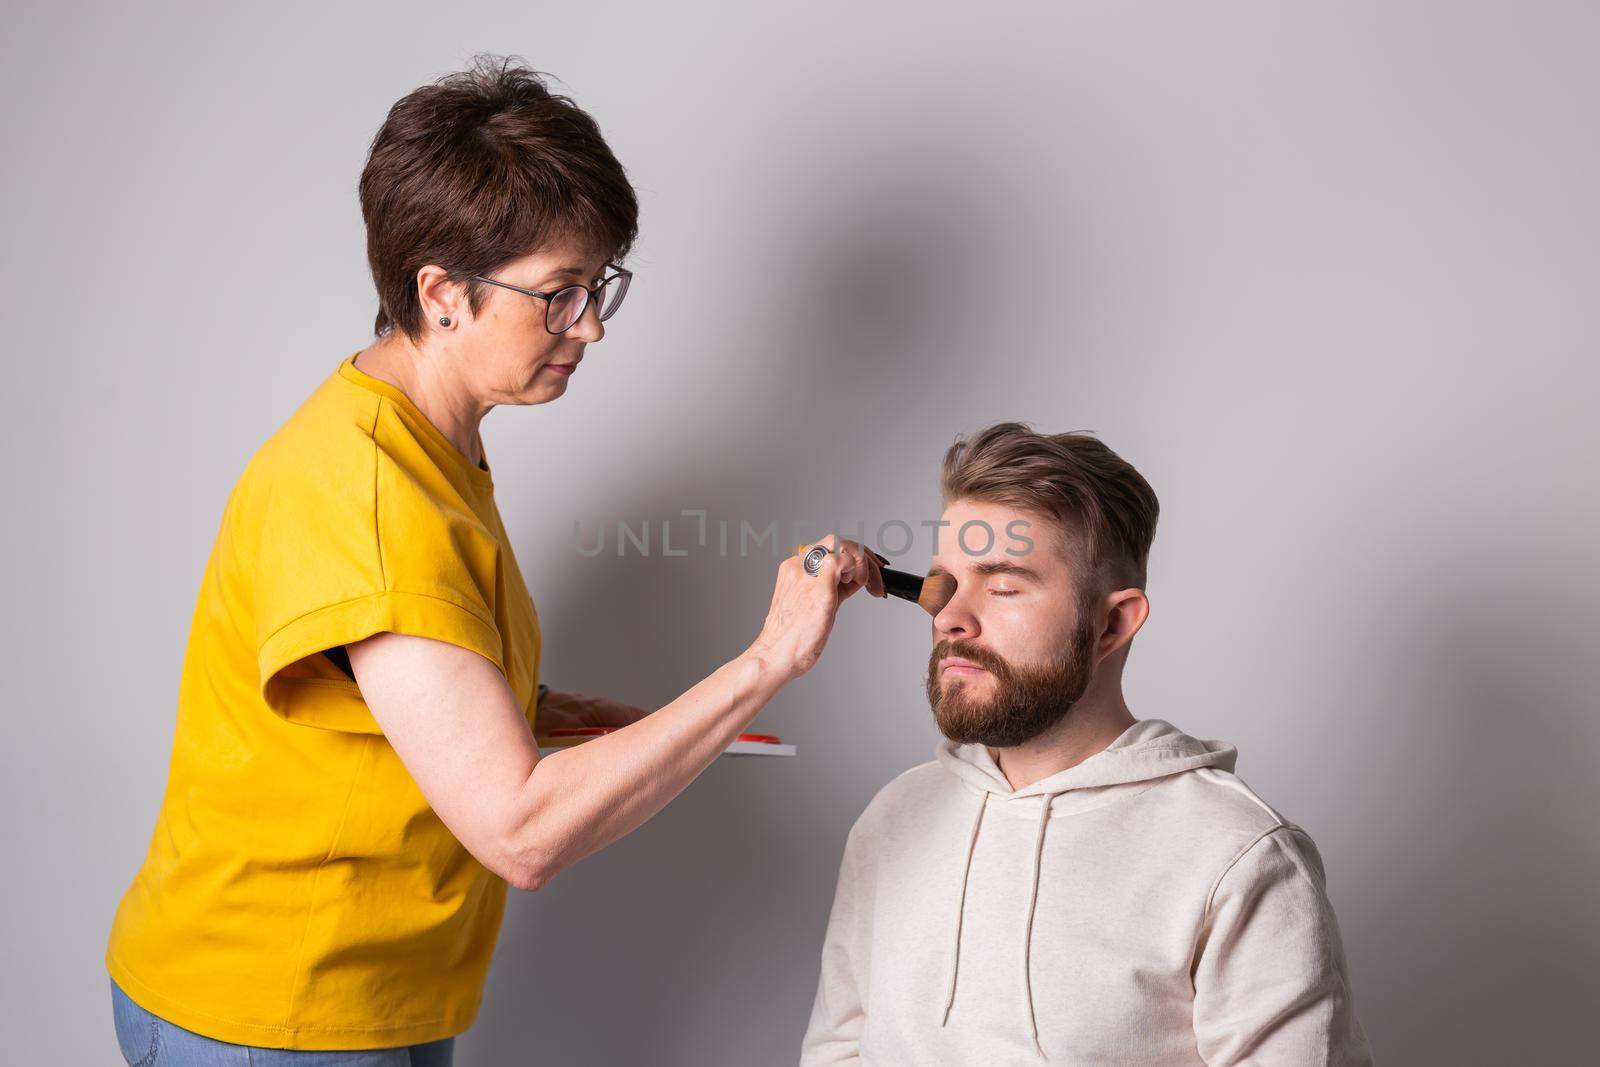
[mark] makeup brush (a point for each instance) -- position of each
(930, 594)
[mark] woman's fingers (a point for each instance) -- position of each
(804, 605)
(849, 569)
(858, 567)
(559, 710)
(874, 572)
(832, 564)
(849, 566)
(867, 571)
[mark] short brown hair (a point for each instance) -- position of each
(1106, 509)
(481, 167)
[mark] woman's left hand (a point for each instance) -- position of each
(559, 711)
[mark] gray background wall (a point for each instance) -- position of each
(1324, 273)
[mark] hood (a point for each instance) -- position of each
(1145, 751)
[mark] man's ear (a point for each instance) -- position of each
(1126, 611)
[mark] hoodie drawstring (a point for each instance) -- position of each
(961, 907)
(1027, 936)
(1149, 750)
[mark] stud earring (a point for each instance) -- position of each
(444, 320)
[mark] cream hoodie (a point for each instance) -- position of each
(1143, 907)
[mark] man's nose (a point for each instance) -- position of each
(957, 619)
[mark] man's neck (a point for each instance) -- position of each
(1084, 731)
(442, 401)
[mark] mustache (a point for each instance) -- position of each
(983, 657)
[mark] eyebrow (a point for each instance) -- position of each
(992, 567)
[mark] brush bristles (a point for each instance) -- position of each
(937, 589)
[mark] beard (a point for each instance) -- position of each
(1026, 701)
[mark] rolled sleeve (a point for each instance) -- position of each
(322, 697)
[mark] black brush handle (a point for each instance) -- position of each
(900, 584)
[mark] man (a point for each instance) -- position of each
(1065, 882)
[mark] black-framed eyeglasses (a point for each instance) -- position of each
(565, 306)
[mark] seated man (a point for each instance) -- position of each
(1066, 882)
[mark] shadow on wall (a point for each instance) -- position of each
(1476, 944)
(695, 940)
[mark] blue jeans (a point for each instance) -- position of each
(150, 1041)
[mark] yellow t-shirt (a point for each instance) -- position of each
(299, 892)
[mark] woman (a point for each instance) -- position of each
(354, 776)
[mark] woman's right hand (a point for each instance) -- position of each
(804, 606)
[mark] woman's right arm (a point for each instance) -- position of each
(460, 731)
